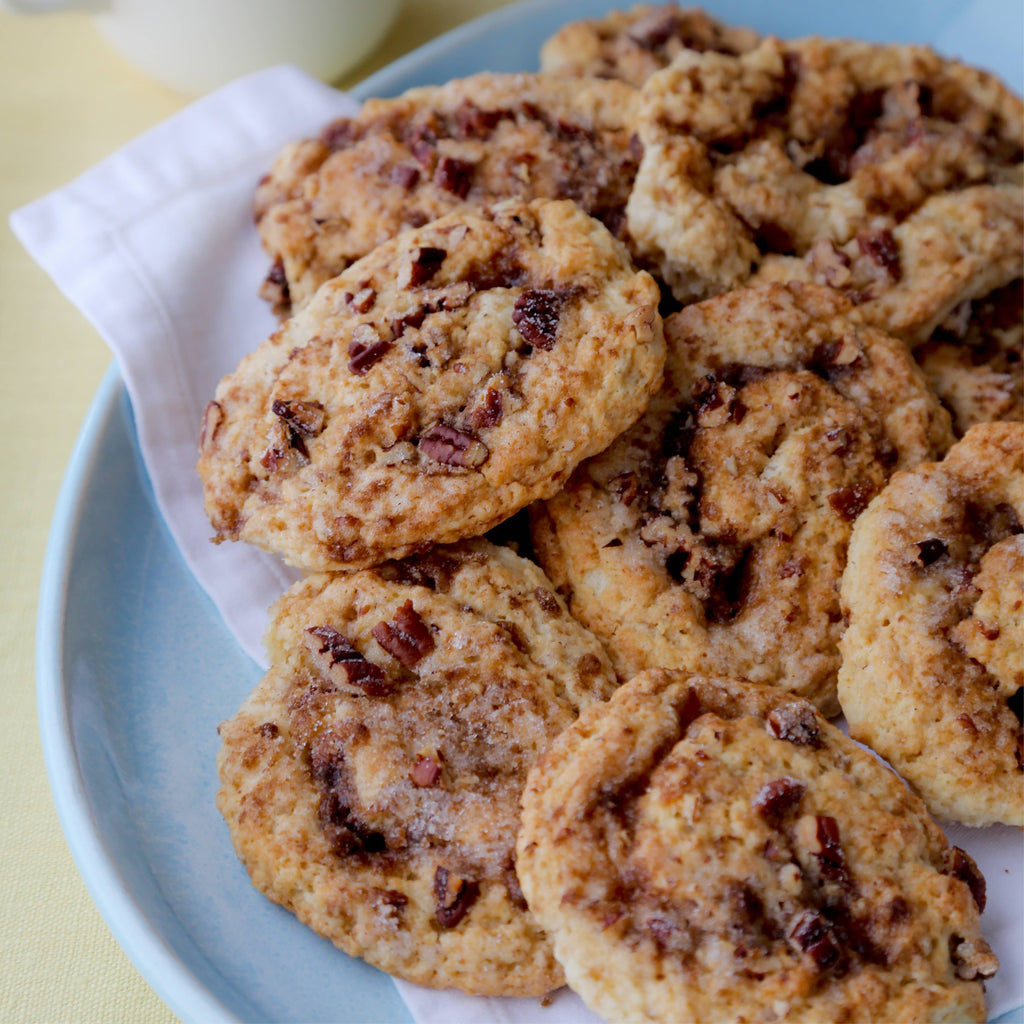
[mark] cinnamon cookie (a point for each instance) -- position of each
(440, 384)
(712, 535)
(703, 849)
(933, 661)
(920, 277)
(372, 781)
(435, 150)
(631, 45)
(829, 146)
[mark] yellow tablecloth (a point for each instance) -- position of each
(66, 101)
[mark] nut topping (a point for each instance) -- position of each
(453, 447)
(426, 772)
(819, 834)
(405, 637)
(455, 176)
(794, 723)
(536, 313)
(961, 865)
(213, 414)
(777, 798)
(882, 249)
(930, 550)
(811, 935)
(453, 896)
(366, 347)
(337, 653)
(425, 263)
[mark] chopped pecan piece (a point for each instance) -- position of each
(834, 355)
(362, 301)
(426, 772)
(405, 175)
(474, 123)
(812, 935)
(794, 723)
(961, 865)
(358, 672)
(455, 176)
(819, 834)
(881, 248)
(654, 29)
(345, 832)
(489, 412)
(453, 447)
(424, 264)
(930, 550)
(339, 134)
(536, 313)
(406, 638)
(275, 287)
(366, 347)
(453, 897)
(972, 959)
(830, 262)
(849, 502)
(305, 418)
(626, 487)
(777, 798)
(213, 415)
(547, 601)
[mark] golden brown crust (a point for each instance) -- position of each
(704, 849)
(885, 170)
(436, 150)
(712, 535)
(372, 780)
(446, 380)
(929, 678)
(632, 45)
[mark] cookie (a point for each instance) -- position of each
(919, 277)
(632, 45)
(834, 144)
(974, 360)
(932, 659)
(457, 373)
(436, 150)
(704, 849)
(371, 782)
(712, 535)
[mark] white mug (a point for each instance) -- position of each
(197, 45)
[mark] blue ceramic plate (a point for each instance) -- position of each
(135, 668)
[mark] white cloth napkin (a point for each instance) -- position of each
(156, 246)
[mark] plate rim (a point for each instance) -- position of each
(161, 968)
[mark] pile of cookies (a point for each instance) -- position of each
(631, 419)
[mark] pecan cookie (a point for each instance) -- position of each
(704, 849)
(434, 388)
(372, 781)
(712, 535)
(933, 661)
(435, 150)
(822, 150)
(631, 45)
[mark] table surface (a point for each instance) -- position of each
(67, 99)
